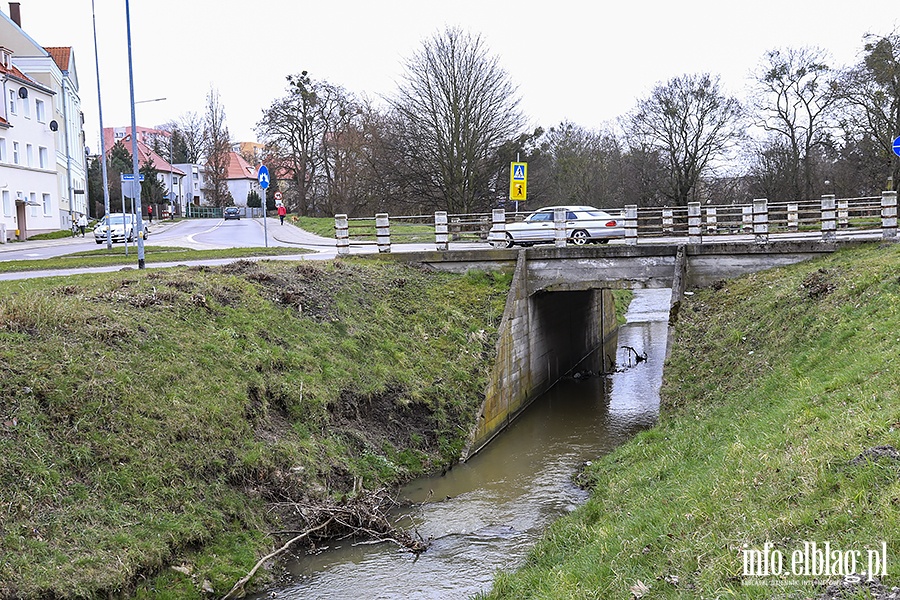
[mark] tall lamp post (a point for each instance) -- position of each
(102, 144)
(136, 183)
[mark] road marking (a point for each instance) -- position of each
(210, 230)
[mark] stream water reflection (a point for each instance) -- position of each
(485, 514)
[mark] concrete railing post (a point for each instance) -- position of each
(793, 216)
(712, 225)
(559, 227)
(631, 224)
(497, 234)
(761, 220)
(828, 223)
(2, 233)
(440, 229)
(342, 234)
(746, 219)
(668, 220)
(694, 234)
(843, 213)
(383, 232)
(889, 215)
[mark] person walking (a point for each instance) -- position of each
(82, 223)
(281, 212)
(150, 212)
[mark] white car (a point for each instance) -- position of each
(584, 224)
(122, 227)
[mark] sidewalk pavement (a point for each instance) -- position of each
(155, 227)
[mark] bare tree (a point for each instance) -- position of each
(457, 106)
(871, 94)
(217, 149)
(292, 131)
(793, 103)
(587, 165)
(691, 123)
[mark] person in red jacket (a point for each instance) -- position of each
(281, 212)
(150, 212)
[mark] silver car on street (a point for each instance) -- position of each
(584, 225)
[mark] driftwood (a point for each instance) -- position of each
(243, 581)
(364, 516)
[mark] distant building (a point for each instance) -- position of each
(173, 177)
(241, 179)
(50, 107)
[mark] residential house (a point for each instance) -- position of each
(28, 178)
(241, 179)
(171, 176)
(54, 69)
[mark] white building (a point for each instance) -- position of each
(29, 200)
(54, 69)
(194, 183)
(241, 179)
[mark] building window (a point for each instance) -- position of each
(29, 155)
(32, 201)
(46, 199)
(2, 149)
(12, 102)
(16, 153)
(43, 157)
(27, 107)
(7, 204)
(39, 110)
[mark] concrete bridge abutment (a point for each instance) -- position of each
(542, 338)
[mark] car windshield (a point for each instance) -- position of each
(118, 219)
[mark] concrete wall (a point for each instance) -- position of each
(542, 338)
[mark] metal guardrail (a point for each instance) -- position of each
(215, 212)
(700, 223)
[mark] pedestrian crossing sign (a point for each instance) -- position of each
(518, 180)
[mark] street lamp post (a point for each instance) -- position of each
(136, 185)
(102, 144)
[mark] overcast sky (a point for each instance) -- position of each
(584, 61)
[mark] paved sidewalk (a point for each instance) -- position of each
(155, 227)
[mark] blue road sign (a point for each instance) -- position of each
(897, 145)
(130, 177)
(263, 176)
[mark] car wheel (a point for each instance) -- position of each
(580, 237)
(604, 241)
(99, 241)
(510, 242)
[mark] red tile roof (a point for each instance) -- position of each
(15, 72)
(144, 152)
(61, 56)
(238, 168)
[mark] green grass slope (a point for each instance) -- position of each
(151, 419)
(779, 388)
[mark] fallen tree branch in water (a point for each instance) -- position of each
(243, 581)
(366, 515)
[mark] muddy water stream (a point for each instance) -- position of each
(485, 514)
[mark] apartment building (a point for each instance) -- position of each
(50, 107)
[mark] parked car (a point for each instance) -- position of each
(584, 224)
(122, 227)
(232, 212)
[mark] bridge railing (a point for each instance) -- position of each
(833, 217)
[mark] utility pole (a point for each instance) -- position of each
(134, 147)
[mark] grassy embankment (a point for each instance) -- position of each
(151, 419)
(777, 382)
(152, 254)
